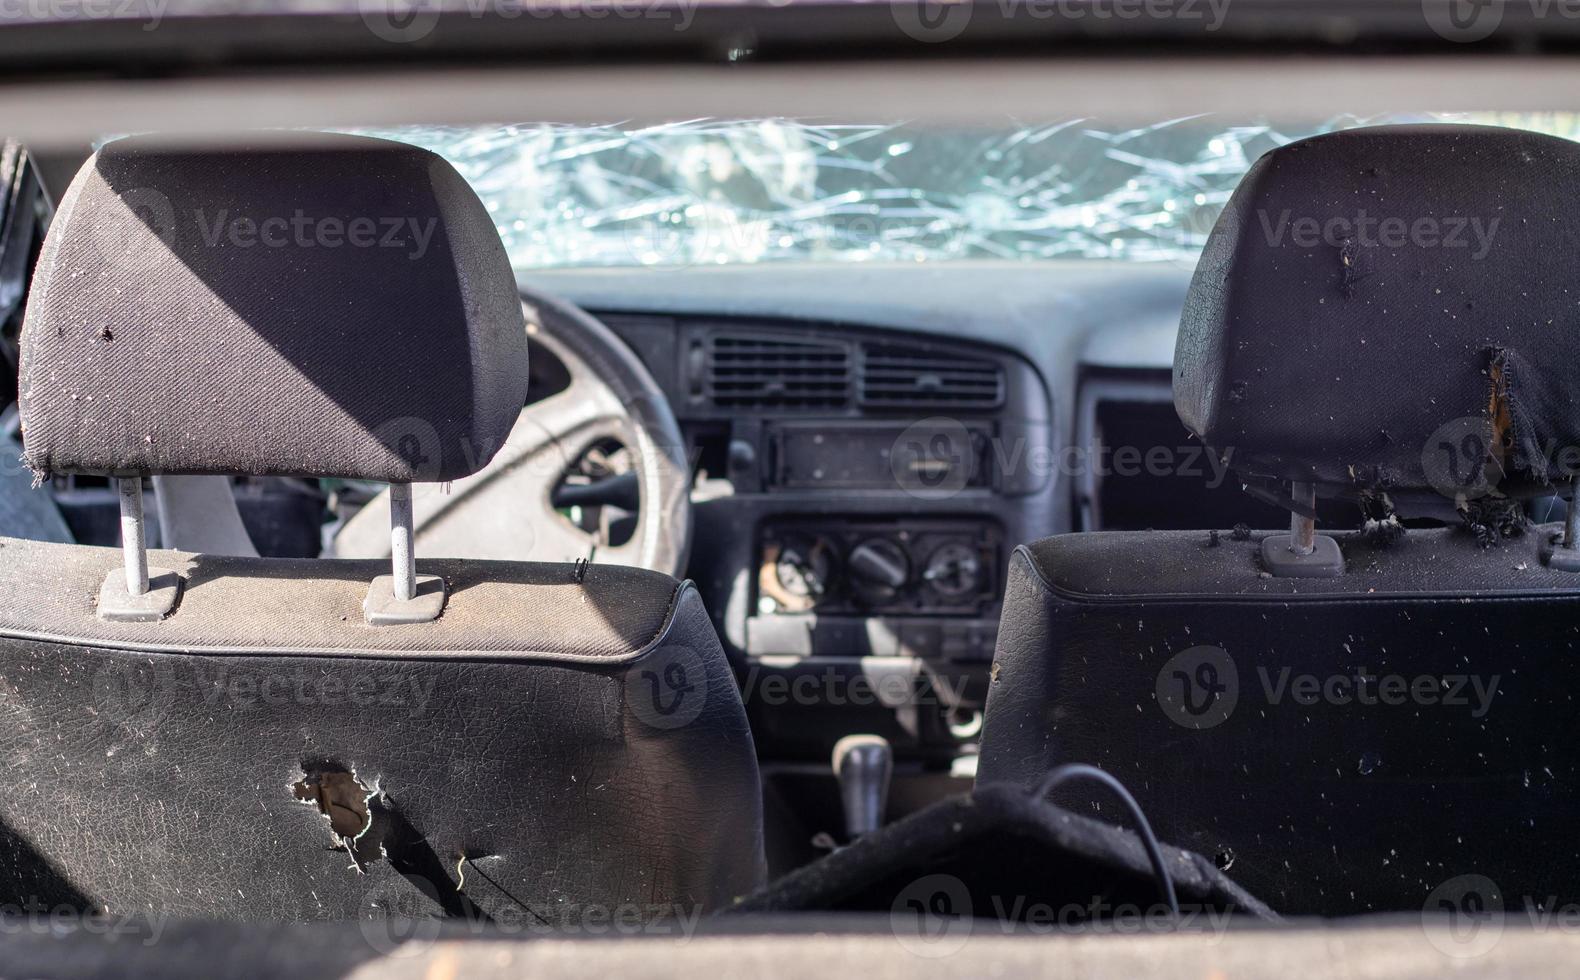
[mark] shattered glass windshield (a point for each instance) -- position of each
(776, 190)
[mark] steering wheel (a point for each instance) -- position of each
(515, 508)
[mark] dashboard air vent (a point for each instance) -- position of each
(906, 376)
(759, 371)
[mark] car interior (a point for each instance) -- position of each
(920, 489)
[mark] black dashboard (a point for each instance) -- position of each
(868, 479)
(871, 442)
(857, 491)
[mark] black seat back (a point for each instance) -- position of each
(562, 743)
(1376, 740)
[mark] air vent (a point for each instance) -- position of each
(904, 376)
(778, 372)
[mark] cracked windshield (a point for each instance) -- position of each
(710, 192)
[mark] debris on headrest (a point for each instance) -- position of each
(1384, 532)
(1494, 519)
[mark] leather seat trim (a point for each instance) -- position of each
(45, 596)
(1238, 578)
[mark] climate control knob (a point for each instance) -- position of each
(878, 569)
(954, 570)
(797, 573)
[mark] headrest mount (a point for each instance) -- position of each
(1302, 553)
(403, 596)
(136, 593)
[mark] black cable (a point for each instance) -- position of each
(1080, 770)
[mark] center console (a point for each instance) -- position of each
(858, 491)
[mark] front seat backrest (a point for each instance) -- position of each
(1382, 313)
(559, 742)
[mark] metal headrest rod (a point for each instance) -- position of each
(1561, 552)
(136, 593)
(1572, 518)
(1303, 529)
(134, 538)
(403, 596)
(1302, 553)
(401, 554)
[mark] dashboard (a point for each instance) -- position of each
(871, 442)
(873, 478)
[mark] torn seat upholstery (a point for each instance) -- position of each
(1357, 743)
(562, 742)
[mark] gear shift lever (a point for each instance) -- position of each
(863, 764)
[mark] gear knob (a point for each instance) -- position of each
(863, 764)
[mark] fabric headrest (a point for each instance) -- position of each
(341, 307)
(1393, 308)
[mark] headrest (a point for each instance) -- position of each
(1393, 308)
(341, 307)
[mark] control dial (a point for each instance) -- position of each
(878, 569)
(797, 573)
(954, 570)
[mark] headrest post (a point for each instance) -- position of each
(403, 597)
(1572, 518)
(134, 541)
(1302, 553)
(136, 593)
(405, 560)
(1303, 529)
(1561, 550)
